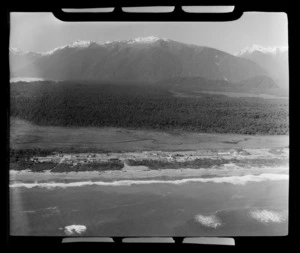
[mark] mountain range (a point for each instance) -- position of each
(272, 59)
(152, 60)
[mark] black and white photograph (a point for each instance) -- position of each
(149, 128)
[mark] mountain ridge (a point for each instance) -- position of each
(147, 59)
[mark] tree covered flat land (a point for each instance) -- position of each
(72, 104)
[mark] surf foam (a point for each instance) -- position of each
(266, 216)
(75, 229)
(236, 180)
(211, 221)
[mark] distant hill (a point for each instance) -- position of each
(199, 83)
(273, 59)
(149, 59)
(258, 82)
(19, 60)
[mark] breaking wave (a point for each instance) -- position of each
(211, 221)
(236, 180)
(74, 229)
(266, 216)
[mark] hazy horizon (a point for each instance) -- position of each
(42, 32)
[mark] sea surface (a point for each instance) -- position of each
(243, 205)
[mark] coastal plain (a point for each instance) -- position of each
(25, 135)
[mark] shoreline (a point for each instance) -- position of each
(235, 179)
(143, 173)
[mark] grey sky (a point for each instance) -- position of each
(42, 31)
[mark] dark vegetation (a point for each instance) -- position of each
(63, 167)
(160, 164)
(151, 164)
(25, 154)
(16, 154)
(20, 160)
(144, 107)
(205, 163)
(28, 165)
(95, 166)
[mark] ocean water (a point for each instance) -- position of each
(232, 206)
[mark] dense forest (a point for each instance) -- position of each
(206, 163)
(146, 107)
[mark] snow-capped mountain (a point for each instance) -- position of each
(273, 59)
(78, 44)
(264, 50)
(149, 39)
(148, 59)
(16, 51)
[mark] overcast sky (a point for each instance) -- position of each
(41, 32)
